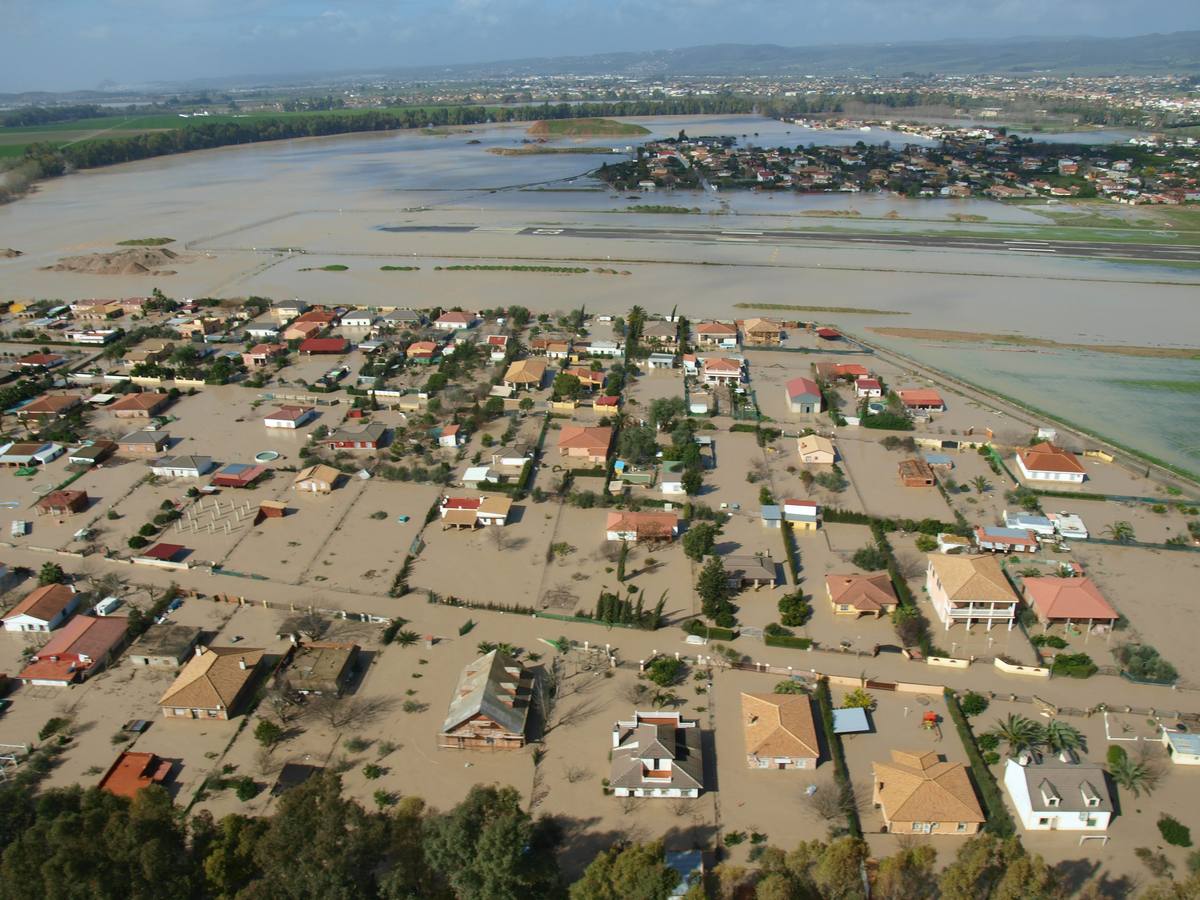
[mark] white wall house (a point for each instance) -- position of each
(1053, 795)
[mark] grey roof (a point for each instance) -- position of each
(749, 568)
(371, 432)
(680, 745)
(1070, 782)
(167, 639)
(402, 315)
(481, 691)
(771, 512)
(199, 463)
(145, 437)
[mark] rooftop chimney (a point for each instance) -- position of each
(242, 663)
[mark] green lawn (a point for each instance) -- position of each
(586, 127)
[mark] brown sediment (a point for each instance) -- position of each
(137, 261)
(1020, 340)
(542, 150)
(9, 253)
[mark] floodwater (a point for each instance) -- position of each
(327, 198)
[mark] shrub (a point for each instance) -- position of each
(247, 788)
(1143, 662)
(991, 757)
(1074, 665)
(1048, 640)
(794, 609)
(870, 559)
(796, 643)
(371, 771)
(268, 733)
(999, 821)
(926, 543)
(1116, 756)
(137, 542)
(666, 671)
(973, 704)
(990, 741)
(1174, 832)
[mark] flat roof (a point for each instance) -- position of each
(850, 720)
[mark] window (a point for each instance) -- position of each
(1043, 820)
(962, 826)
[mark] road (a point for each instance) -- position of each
(897, 239)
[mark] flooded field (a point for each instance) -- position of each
(255, 216)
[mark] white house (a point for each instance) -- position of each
(661, 361)
(359, 319)
(803, 514)
(451, 436)
(722, 371)
(1069, 525)
(1182, 746)
(1049, 462)
(868, 387)
(43, 609)
(290, 417)
(604, 348)
(181, 466)
(262, 330)
(657, 754)
(1055, 795)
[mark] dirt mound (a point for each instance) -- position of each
(136, 261)
(9, 253)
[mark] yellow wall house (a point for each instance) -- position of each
(920, 793)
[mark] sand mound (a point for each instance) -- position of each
(9, 253)
(136, 261)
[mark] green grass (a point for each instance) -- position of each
(663, 210)
(399, 268)
(332, 267)
(586, 127)
(146, 242)
(823, 309)
(1158, 384)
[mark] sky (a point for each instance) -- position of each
(80, 44)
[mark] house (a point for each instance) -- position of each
(92, 452)
(42, 609)
(154, 351)
(326, 318)
(589, 443)
(657, 754)
(827, 371)
(657, 361)
(1068, 525)
(1068, 601)
(80, 648)
(401, 318)
(359, 319)
(771, 516)
(610, 349)
(94, 336)
(238, 475)
(288, 309)
(490, 707)
(421, 352)
(1049, 462)
(181, 466)
(131, 771)
(212, 683)
(472, 511)
(761, 332)
(1183, 747)
(199, 326)
(451, 436)
(816, 450)
(641, 526)
(1005, 540)
(140, 406)
(302, 331)
(970, 589)
(868, 387)
(260, 355)
(780, 731)
(744, 570)
(915, 473)
(29, 453)
(720, 335)
(164, 646)
(802, 514)
(290, 417)
(861, 595)
(41, 360)
(366, 437)
(51, 406)
(262, 331)
(920, 793)
(721, 371)
(550, 347)
(322, 668)
(453, 320)
(661, 334)
(318, 479)
(142, 443)
(1053, 795)
(525, 374)
(803, 396)
(922, 400)
(62, 503)
(497, 346)
(324, 346)
(589, 379)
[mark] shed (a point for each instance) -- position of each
(62, 503)
(164, 646)
(238, 475)
(916, 473)
(851, 720)
(772, 516)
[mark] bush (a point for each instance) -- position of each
(1048, 640)
(777, 630)
(137, 542)
(1116, 756)
(794, 609)
(247, 788)
(1143, 662)
(990, 741)
(1074, 665)
(695, 626)
(666, 671)
(973, 704)
(1174, 832)
(926, 543)
(371, 771)
(268, 733)
(870, 559)
(796, 643)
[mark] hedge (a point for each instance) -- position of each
(796, 643)
(712, 632)
(999, 822)
(841, 773)
(789, 549)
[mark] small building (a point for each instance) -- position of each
(816, 450)
(92, 453)
(23, 454)
(970, 590)
(290, 417)
(861, 595)
(238, 475)
(657, 754)
(453, 320)
(780, 731)
(1053, 795)
(829, 334)
(746, 570)
(1068, 601)
(181, 466)
(359, 319)
(318, 479)
(131, 771)
(916, 473)
(646, 525)
(920, 793)
(720, 335)
(762, 332)
(994, 539)
(366, 437)
(302, 331)
(660, 361)
(140, 406)
(590, 443)
(43, 609)
(421, 352)
(261, 355)
(164, 646)
(802, 514)
(1039, 525)
(829, 371)
(1069, 526)
(771, 516)
(324, 346)
(62, 503)
(79, 649)
(803, 396)
(922, 400)
(490, 707)
(212, 683)
(868, 388)
(1183, 747)
(322, 668)
(1049, 462)
(451, 436)
(41, 360)
(144, 443)
(525, 374)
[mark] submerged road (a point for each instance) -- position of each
(897, 239)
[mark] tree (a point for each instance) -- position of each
(794, 609)
(312, 625)
(978, 867)
(981, 484)
(268, 733)
(870, 559)
(627, 872)
(699, 539)
(1135, 776)
(666, 671)
(227, 851)
(638, 444)
(635, 324)
(1028, 878)
(838, 871)
(1019, 733)
(691, 482)
(713, 587)
(859, 699)
(973, 704)
(493, 407)
(906, 875)
(566, 386)
(1121, 532)
(1058, 737)
(526, 404)
(51, 573)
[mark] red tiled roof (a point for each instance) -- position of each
(460, 503)
(1047, 457)
(131, 771)
(1067, 598)
(921, 397)
(45, 602)
(806, 386)
(325, 345)
(164, 552)
(147, 401)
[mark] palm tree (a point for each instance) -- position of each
(1019, 733)
(1133, 776)
(1059, 736)
(981, 484)
(1121, 532)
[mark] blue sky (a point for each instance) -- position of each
(60, 44)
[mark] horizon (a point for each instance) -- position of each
(127, 44)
